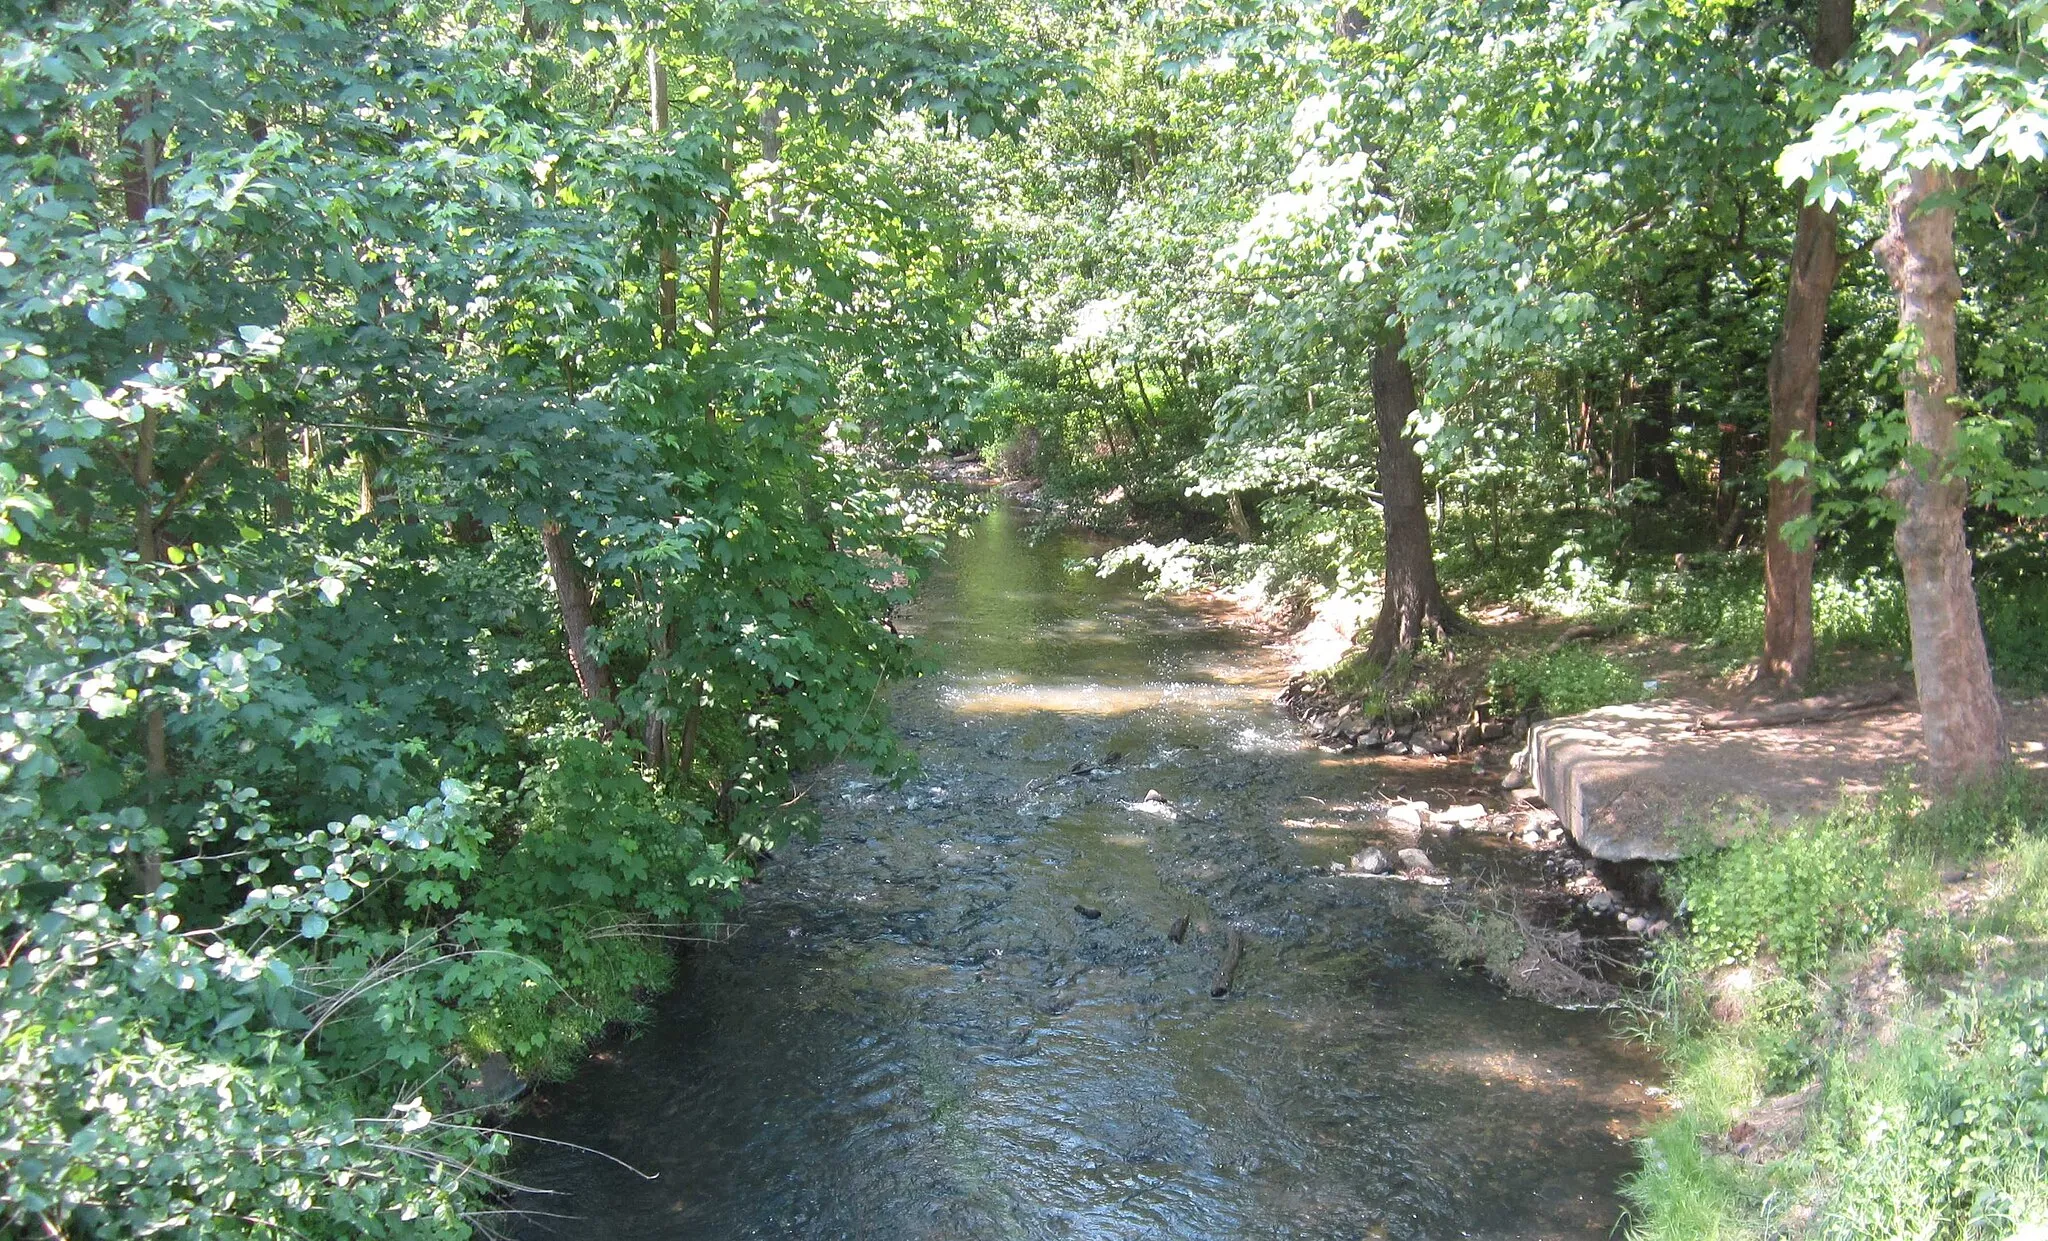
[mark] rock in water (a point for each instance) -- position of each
(1154, 795)
(1179, 930)
(494, 1085)
(1370, 862)
(1518, 771)
(1416, 861)
(1411, 815)
(1088, 911)
(1459, 816)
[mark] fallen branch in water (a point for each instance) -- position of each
(1233, 953)
(1498, 933)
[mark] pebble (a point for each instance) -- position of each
(1637, 924)
(1600, 902)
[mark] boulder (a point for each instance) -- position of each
(1415, 861)
(1370, 862)
(1410, 815)
(1458, 816)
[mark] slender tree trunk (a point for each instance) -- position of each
(1655, 459)
(573, 597)
(1795, 402)
(138, 195)
(1959, 709)
(657, 92)
(686, 746)
(366, 484)
(1413, 605)
(654, 733)
(139, 167)
(277, 458)
(714, 282)
(1240, 517)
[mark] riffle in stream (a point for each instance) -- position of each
(918, 1034)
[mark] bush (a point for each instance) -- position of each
(1796, 892)
(1562, 682)
(1973, 819)
(2012, 628)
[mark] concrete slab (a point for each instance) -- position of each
(1638, 782)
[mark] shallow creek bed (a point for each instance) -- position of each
(959, 1013)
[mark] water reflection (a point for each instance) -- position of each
(921, 1033)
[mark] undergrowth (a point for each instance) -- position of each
(1858, 1048)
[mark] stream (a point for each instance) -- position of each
(917, 1034)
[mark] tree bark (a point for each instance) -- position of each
(1794, 379)
(1413, 604)
(574, 599)
(1959, 710)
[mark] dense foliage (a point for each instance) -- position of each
(445, 464)
(1579, 220)
(439, 469)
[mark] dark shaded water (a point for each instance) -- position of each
(917, 1035)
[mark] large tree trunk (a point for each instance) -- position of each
(574, 599)
(1959, 710)
(1795, 402)
(1413, 605)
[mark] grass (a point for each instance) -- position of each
(1832, 956)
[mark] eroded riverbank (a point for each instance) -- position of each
(919, 1035)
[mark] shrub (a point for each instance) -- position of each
(1972, 819)
(1562, 682)
(1797, 892)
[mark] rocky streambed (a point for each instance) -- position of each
(1116, 964)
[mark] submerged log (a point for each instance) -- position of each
(1817, 710)
(1233, 953)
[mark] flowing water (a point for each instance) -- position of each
(918, 1035)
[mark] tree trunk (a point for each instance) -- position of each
(1241, 524)
(657, 93)
(1959, 710)
(654, 733)
(574, 599)
(1413, 604)
(1655, 458)
(1795, 402)
(277, 458)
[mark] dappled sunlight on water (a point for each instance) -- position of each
(958, 1013)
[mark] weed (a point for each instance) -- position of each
(1934, 951)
